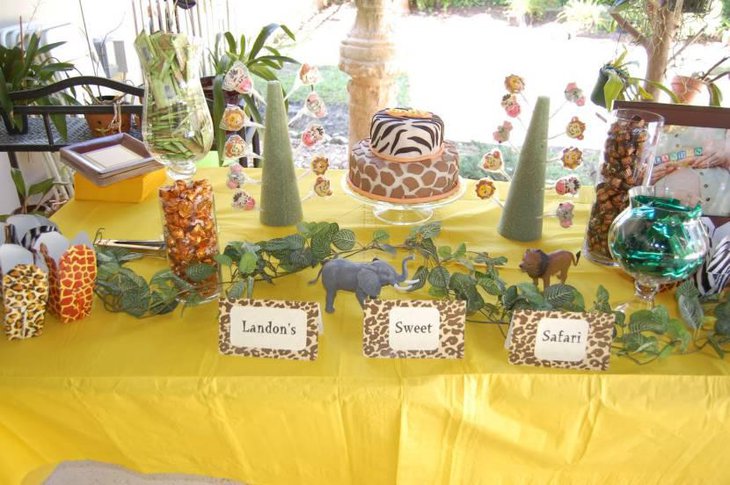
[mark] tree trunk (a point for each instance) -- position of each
(664, 24)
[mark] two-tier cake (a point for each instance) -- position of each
(405, 160)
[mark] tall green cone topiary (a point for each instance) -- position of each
(280, 201)
(523, 210)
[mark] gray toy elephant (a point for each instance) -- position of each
(364, 279)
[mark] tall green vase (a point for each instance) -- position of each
(281, 204)
(523, 211)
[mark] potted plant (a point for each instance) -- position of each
(102, 124)
(687, 87)
(262, 60)
(30, 67)
(615, 82)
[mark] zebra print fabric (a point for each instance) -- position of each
(406, 138)
(714, 275)
(25, 229)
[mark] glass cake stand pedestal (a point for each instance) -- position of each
(402, 214)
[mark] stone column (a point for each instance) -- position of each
(367, 56)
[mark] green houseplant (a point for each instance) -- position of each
(261, 58)
(615, 82)
(27, 67)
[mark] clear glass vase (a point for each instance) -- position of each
(178, 131)
(657, 240)
(190, 231)
(627, 159)
(176, 124)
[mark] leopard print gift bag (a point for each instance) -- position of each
(25, 293)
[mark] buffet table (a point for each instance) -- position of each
(155, 395)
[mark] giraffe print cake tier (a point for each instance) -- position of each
(405, 160)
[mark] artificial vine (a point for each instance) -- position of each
(448, 272)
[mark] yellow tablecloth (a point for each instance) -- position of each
(155, 395)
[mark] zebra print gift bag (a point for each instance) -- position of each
(714, 275)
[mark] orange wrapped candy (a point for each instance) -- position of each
(190, 230)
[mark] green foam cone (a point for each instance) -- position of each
(523, 210)
(281, 204)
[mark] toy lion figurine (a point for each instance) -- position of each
(537, 264)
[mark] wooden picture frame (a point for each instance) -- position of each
(693, 151)
(110, 159)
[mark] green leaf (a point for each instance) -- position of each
(421, 275)
(661, 314)
(31, 51)
(437, 292)
(716, 346)
(301, 258)
(19, 182)
(491, 285)
(715, 95)
(460, 251)
(236, 290)
(679, 332)
(648, 321)
(483, 258)
(276, 244)
(41, 188)
(722, 311)
(135, 301)
(263, 72)
(428, 249)
(688, 289)
(531, 294)
(263, 35)
(439, 277)
(637, 342)
(248, 263)
(602, 300)
(691, 311)
(5, 103)
(162, 277)
(612, 89)
(321, 247)
(277, 59)
(295, 241)
(199, 272)
(510, 297)
(253, 110)
(428, 230)
(242, 49)
(162, 302)
(49, 47)
(381, 235)
(619, 318)
(344, 239)
(559, 295)
(223, 260)
(464, 286)
(231, 42)
(444, 252)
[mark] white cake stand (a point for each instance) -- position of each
(402, 214)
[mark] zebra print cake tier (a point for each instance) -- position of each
(406, 135)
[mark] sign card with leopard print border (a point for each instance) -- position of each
(564, 340)
(414, 329)
(269, 329)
